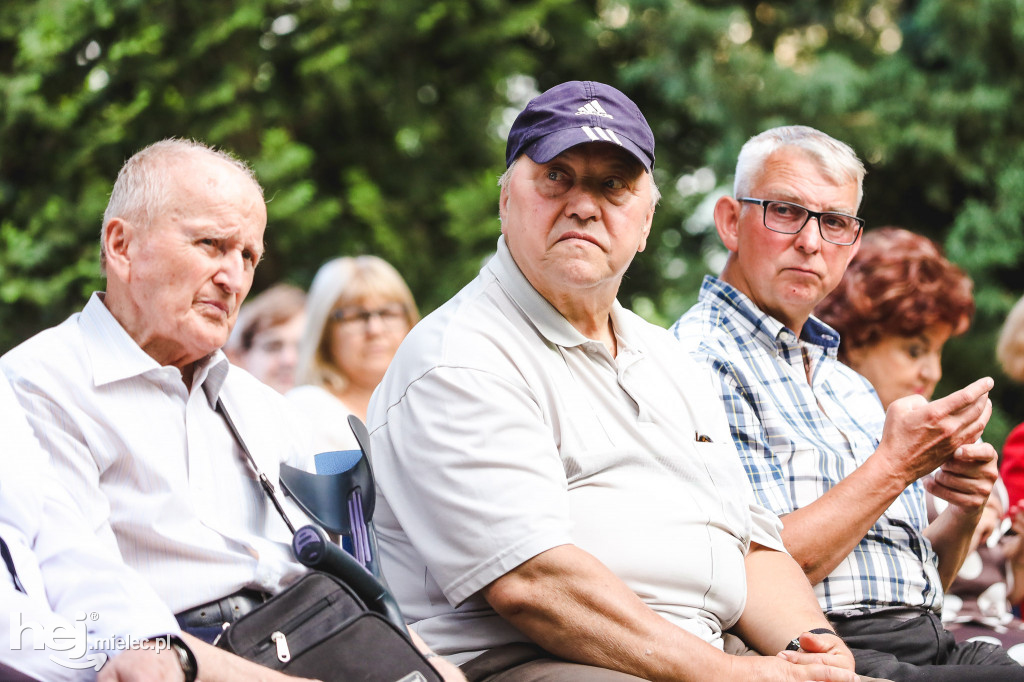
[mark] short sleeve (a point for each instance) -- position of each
(469, 466)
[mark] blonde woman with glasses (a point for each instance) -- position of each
(358, 311)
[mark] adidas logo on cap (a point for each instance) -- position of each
(593, 108)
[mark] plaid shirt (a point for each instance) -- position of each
(798, 440)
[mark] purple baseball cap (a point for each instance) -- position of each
(574, 113)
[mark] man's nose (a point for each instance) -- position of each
(582, 204)
(232, 273)
(809, 238)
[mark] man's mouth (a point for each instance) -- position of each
(219, 305)
(578, 235)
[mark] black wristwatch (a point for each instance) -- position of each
(187, 659)
(794, 645)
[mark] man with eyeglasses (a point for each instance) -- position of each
(846, 478)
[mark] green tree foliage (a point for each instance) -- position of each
(924, 91)
(377, 126)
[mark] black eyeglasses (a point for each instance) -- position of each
(789, 218)
(392, 316)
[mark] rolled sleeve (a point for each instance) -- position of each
(766, 528)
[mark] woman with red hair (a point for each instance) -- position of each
(895, 308)
(897, 305)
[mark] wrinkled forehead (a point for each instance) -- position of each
(813, 165)
(213, 189)
(206, 173)
(800, 171)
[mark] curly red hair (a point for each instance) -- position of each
(898, 284)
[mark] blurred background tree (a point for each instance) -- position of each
(377, 126)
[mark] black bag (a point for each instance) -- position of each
(319, 628)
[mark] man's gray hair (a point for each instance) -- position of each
(507, 176)
(143, 186)
(839, 163)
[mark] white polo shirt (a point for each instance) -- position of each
(499, 432)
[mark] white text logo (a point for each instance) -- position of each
(593, 108)
(70, 642)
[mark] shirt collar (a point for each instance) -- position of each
(550, 323)
(211, 373)
(765, 326)
(115, 356)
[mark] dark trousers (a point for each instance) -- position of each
(530, 663)
(912, 646)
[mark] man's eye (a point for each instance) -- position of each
(615, 183)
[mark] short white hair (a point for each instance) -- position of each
(143, 187)
(839, 163)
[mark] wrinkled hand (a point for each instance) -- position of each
(919, 436)
(142, 665)
(777, 669)
(829, 650)
(966, 479)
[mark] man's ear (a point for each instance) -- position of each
(117, 237)
(727, 220)
(854, 248)
(503, 207)
(648, 221)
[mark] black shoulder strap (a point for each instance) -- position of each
(6, 553)
(268, 487)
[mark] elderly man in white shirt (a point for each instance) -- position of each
(553, 472)
(123, 395)
(72, 605)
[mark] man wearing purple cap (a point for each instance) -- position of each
(544, 512)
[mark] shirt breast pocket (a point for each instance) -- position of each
(807, 475)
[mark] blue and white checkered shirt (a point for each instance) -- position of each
(798, 440)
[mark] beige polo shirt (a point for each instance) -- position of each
(500, 432)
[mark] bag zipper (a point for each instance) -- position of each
(281, 641)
